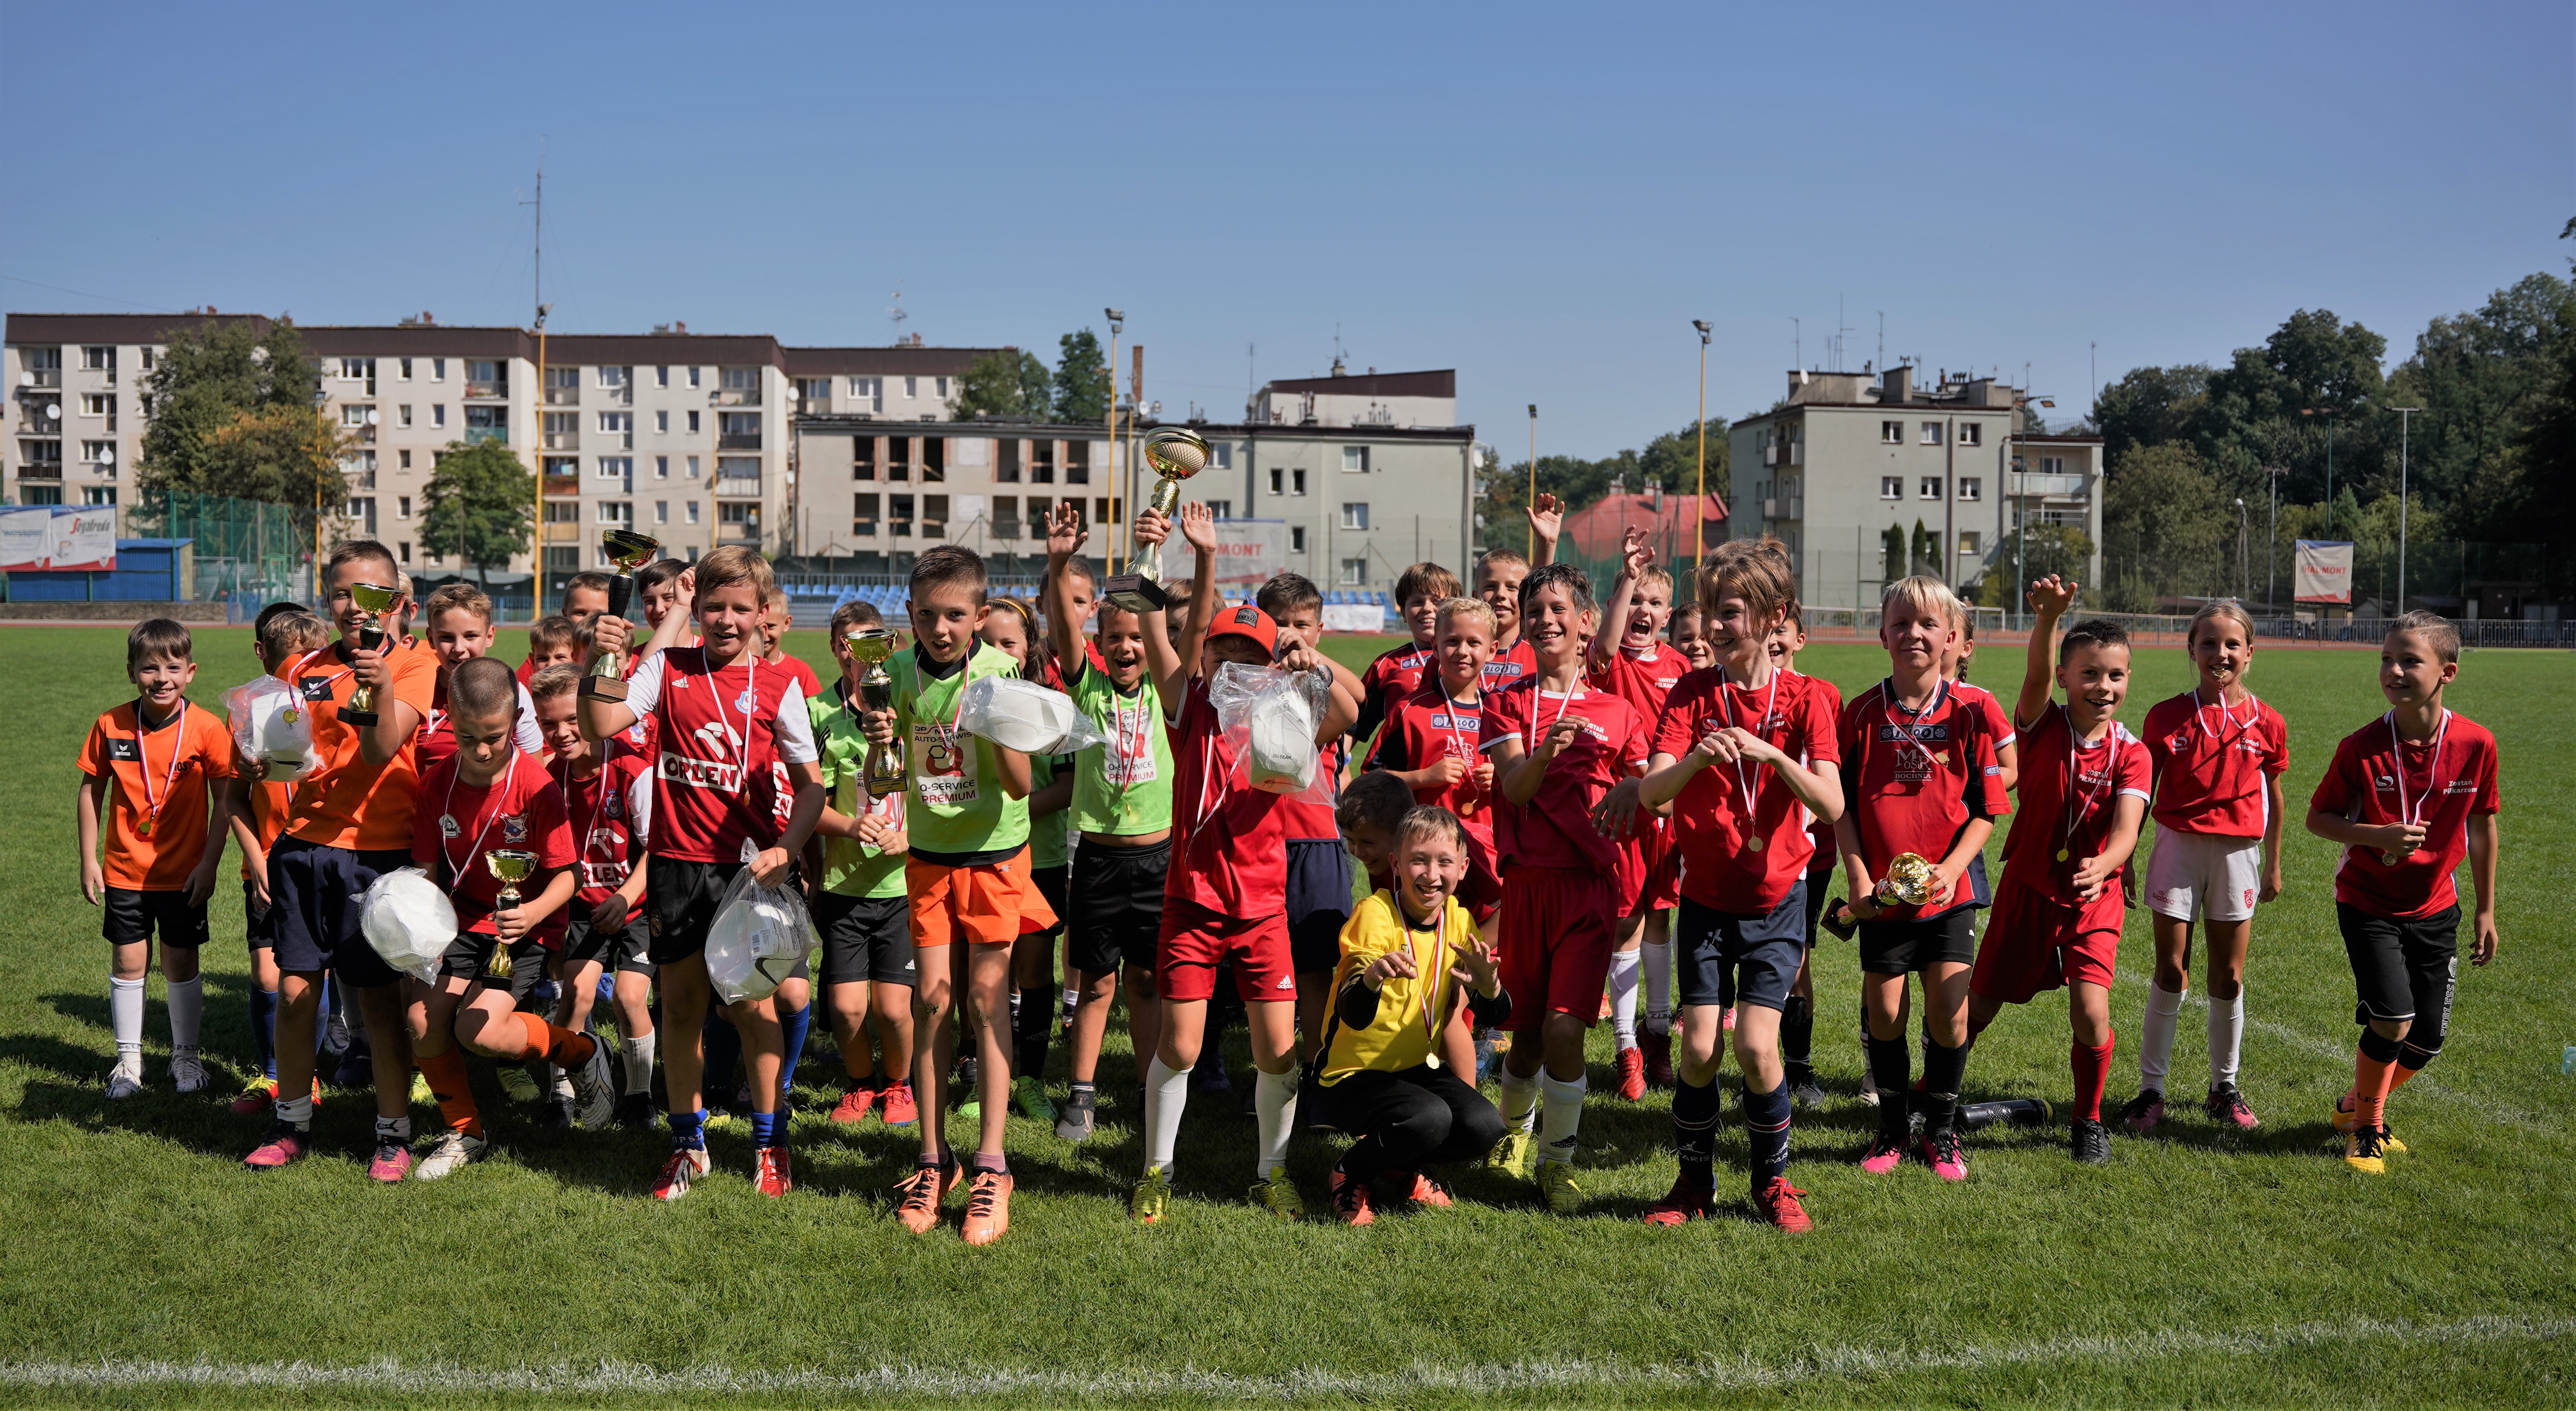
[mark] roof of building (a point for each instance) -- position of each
(1944, 408)
(1320, 432)
(113, 328)
(418, 340)
(899, 361)
(1596, 528)
(2069, 438)
(860, 423)
(1443, 383)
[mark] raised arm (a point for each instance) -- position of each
(1547, 520)
(1065, 537)
(1198, 529)
(2038, 674)
(1635, 557)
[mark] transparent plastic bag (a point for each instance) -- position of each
(1025, 716)
(273, 725)
(759, 936)
(409, 921)
(1268, 716)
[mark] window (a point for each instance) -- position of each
(616, 512)
(1220, 509)
(355, 370)
(1971, 487)
(1099, 510)
(438, 414)
(943, 389)
(98, 404)
(934, 516)
(1296, 538)
(559, 467)
(617, 423)
(693, 381)
(405, 373)
(404, 548)
(2052, 465)
(863, 514)
(363, 510)
(402, 507)
(693, 468)
(693, 423)
(869, 391)
(1931, 433)
(100, 453)
(661, 511)
(1277, 477)
(616, 467)
(1970, 433)
(1221, 455)
(438, 369)
(693, 505)
(661, 467)
(98, 494)
(911, 386)
(1077, 460)
(563, 512)
(99, 359)
(662, 423)
(41, 451)
(1355, 460)
(899, 511)
(1354, 571)
(742, 379)
(1929, 488)
(662, 377)
(737, 475)
(403, 459)
(1969, 541)
(1891, 433)
(487, 377)
(39, 494)
(147, 359)
(403, 414)
(1354, 515)
(1297, 481)
(612, 377)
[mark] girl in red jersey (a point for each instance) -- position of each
(2218, 754)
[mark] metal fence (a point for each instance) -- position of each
(246, 552)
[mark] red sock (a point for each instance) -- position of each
(2092, 1067)
(555, 1044)
(446, 1075)
(2372, 1078)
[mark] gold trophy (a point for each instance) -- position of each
(1176, 454)
(881, 768)
(1908, 882)
(629, 551)
(510, 867)
(371, 599)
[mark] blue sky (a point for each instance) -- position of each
(1539, 196)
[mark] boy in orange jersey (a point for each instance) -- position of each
(257, 809)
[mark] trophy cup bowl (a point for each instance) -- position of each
(509, 867)
(372, 599)
(606, 679)
(1908, 882)
(1176, 453)
(881, 767)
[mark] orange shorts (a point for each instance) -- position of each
(992, 904)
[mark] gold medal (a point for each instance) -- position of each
(1754, 842)
(144, 830)
(2389, 858)
(2061, 854)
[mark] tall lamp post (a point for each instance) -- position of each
(1109, 541)
(2329, 414)
(2272, 554)
(536, 532)
(1699, 497)
(2404, 415)
(2244, 557)
(1532, 533)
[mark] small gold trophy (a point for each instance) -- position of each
(629, 551)
(371, 599)
(1176, 454)
(510, 867)
(882, 767)
(1908, 881)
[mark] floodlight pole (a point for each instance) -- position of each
(1532, 532)
(2404, 422)
(1699, 496)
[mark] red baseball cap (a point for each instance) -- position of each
(1246, 621)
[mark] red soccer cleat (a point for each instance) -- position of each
(1418, 1189)
(1681, 1205)
(1886, 1150)
(1658, 1048)
(854, 1105)
(1632, 1074)
(1778, 1203)
(1941, 1153)
(770, 1172)
(1351, 1204)
(285, 1142)
(899, 1108)
(988, 1208)
(256, 1099)
(686, 1165)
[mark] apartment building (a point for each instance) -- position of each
(76, 410)
(1372, 398)
(1849, 455)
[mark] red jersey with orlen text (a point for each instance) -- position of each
(1554, 829)
(717, 733)
(611, 811)
(1913, 780)
(1711, 818)
(2213, 762)
(2377, 777)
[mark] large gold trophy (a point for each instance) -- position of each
(371, 599)
(881, 768)
(509, 867)
(1176, 454)
(629, 551)
(1909, 880)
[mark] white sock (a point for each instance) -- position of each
(1623, 997)
(2226, 1038)
(1274, 1100)
(396, 1128)
(125, 1014)
(1167, 1091)
(187, 1007)
(639, 1062)
(1657, 959)
(1072, 997)
(296, 1111)
(1561, 1114)
(2155, 1051)
(559, 1082)
(1520, 1099)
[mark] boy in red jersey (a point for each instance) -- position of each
(2407, 796)
(721, 721)
(1744, 754)
(1399, 671)
(1919, 781)
(1557, 749)
(1433, 743)
(1226, 896)
(1798, 1016)
(1319, 870)
(2065, 887)
(1627, 659)
(459, 622)
(1954, 669)
(2219, 755)
(551, 639)
(609, 798)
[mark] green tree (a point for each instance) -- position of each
(2169, 531)
(2483, 379)
(480, 502)
(2149, 406)
(2043, 549)
(1081, 380)
(290, 455)
(204, 381)
(1006, 382)
(1891, 546)
(1926, 551)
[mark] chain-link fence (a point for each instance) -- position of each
(246, 552)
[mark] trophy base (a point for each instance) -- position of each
(604, 688)
(363, 719)
(1839, 920)
(2016, 1111)
(1135, 593)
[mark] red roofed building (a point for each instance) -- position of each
(1595, 530)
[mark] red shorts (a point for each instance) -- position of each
(1661, 887)
(2034, 944)
(1195, 940)
(1558, 930)
(1482, 892)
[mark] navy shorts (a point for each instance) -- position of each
(135, 916)
(1722, 958)
(680, 901)
(313, 895)
(259, 923)
(1319, 902)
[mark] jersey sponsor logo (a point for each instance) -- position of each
(700, 773)
(315, 688)
(123, 752)
(1937, 732)
(2383, 781)
(718, 735)
(2461, 786)
(1456, 722)
(2180, 743)
(611, 875)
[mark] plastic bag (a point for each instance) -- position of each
(759, 936)
(1025, 716)
(273, 725)
(409, 921)
(1268, 716)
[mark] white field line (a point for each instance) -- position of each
(1715, 1373)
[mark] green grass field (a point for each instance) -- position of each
(147, 1266)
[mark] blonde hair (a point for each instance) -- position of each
(732, 564)
(1922, 590)
(457, 597)
(2217, 608)
(1476, 608)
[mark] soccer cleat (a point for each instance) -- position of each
(1940, 1151)
(1657, 1045)
(1417, 1189)
(594, 1089)
(1487, 1055)
(1353, 1204)
(392, 1160)
(1152, 1197)
(1803, 1090)
(2227, 1107)
(1556, 1184)
(452, 1152)
(1515, 1154)
(187, 1074)
(900, 1110)
(2364, 1148)
(2090, 1141)
(517, 1084)
(635, 1112)
(336, 1038)
(771, 1172)
(686, 1165)
(125, 1079)
(284, 1143)
(2343, 1126)
(1631, 1064)
(1277, 1196)
(2145, 1112)
(854, 1106)
(1073, 1121)
(555, 1116)
(1029, 1095)
(988, 1208)
(918, 1195)
(1726, 1020)
(1682, 1204)
(1886, 1150)
(259, 1097)
(1778, 1204)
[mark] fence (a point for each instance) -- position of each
(247, 552)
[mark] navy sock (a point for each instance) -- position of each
(688, 1129)
(1695, 1114)
(793, 1024)
(764, 1129)
(1797, 1032)
(322, 1021)
(263, 1029)
(1766, 1128)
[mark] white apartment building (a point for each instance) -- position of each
(1372, 398)
(76, 411)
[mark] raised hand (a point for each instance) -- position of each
(1636, 555)
(1198, 527)
(1066, 533)
(1547, 516)
(2051, 596)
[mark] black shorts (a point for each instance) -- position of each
(135, 916)
(1903, 947)
(314, 893)
(1319, 903)
(1116, 896)
(866, 939)
(1052, 884)
(680, 901)
(618, 951)
(259, 923)
(470, 954)
(1819, 885)
(1725, 959)
(2403, 969)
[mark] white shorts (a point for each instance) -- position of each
(2204, 876)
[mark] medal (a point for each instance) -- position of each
(2397, 766)
(1754, 842)
(178, 741)
(2061, 854)
(1751, 788)
(143, 829)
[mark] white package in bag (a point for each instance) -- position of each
(1025, 716)
(1268, 716)
(758, 938)
(409, 921)
(273, 725)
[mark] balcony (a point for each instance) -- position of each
(2071, 486)
(740, 487)
(617, 396)
(563, 396)
(563, 532)
(563, 485)
(492, 390)
(734, 397)
(563, 440)
(366, 434)
(477, 435)
(35, 421)
(40, 379)
(738, 441)
(41, 470)
(1784, 507)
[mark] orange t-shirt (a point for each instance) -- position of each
(349, 803)
(155, 805)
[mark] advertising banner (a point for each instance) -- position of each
(2324, 572)
(38, 537)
